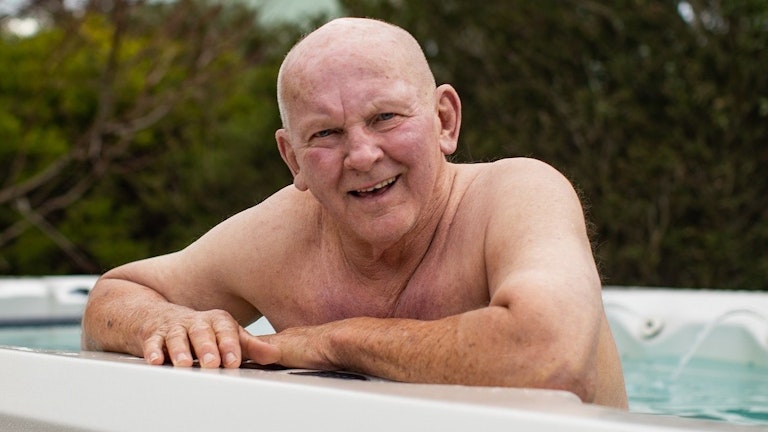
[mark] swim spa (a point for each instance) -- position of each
(701, 354)
(698, 354)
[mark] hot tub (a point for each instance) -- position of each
(686, 353)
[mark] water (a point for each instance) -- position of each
(705, 389)
(59, 338)
(706, 332)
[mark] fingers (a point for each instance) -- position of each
(153, 350)
(212, 337)
(257, 350)
(227, 336)
(177, 344)
(203, 340)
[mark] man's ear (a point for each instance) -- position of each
(289, 157)
(449, 112)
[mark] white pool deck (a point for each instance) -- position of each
(47, 391)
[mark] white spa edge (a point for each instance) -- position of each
(111, 392)
(52, 391)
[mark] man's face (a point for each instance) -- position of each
(365, 139)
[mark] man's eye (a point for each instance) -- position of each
(385, 116)
(323, 133)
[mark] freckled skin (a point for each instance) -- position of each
(382, 257)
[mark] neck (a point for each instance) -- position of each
(395, 258)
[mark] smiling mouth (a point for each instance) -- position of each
(377, 189)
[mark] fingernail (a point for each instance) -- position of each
(154, 356)
(181, 357)
(208, 358)
(231, 358)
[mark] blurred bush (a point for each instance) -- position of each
(130, 128)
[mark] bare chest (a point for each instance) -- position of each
(448, 279)
(451, 279)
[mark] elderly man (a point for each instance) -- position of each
(382, 257)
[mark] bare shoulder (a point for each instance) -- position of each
(231, 265)
(528, 202)
(515, 181)
(236, 258)
(526, 171)
(262, 233)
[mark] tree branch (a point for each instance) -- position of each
(23, 206)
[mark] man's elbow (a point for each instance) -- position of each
(560, 373)
(577, 379)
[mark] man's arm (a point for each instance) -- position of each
(180, 306)
(541, 328)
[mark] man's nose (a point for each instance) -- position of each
(363, 150)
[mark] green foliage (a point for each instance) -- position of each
(660, 122)
(131, 130)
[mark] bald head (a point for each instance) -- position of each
(352, 43)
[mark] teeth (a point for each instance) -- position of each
(378, 186)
